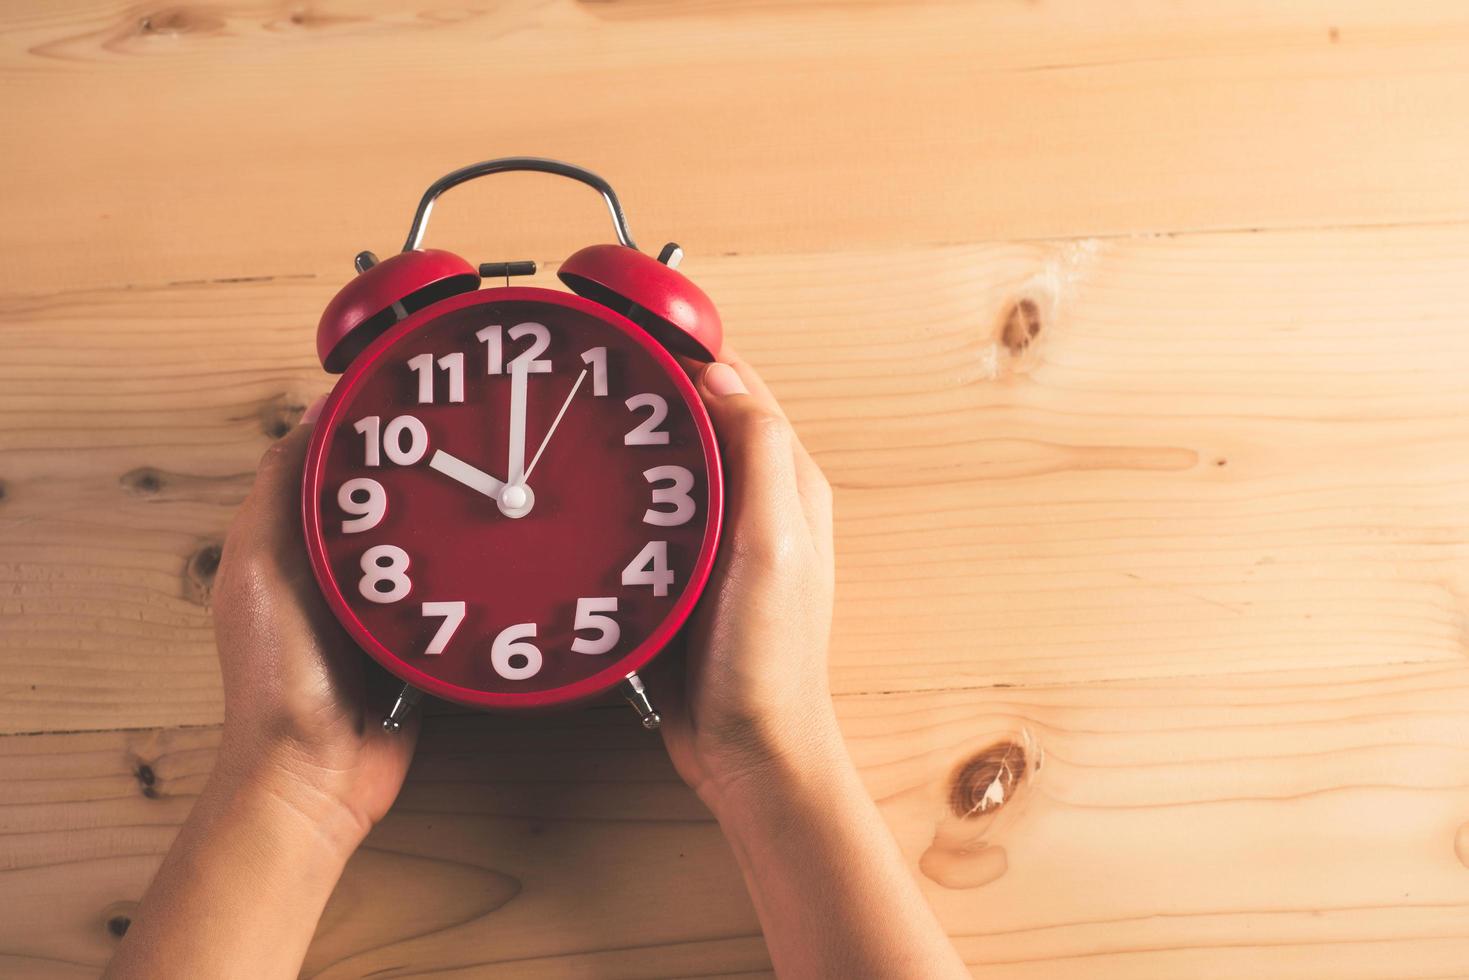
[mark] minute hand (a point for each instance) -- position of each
(515, 470)
(557, 421)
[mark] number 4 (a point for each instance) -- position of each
(650, 567)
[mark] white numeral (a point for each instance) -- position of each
(597, 358)
(676, 495)
(511, 646)
(589, 617)
(364, 498)
(647, 433)
(391, 440)
(384, 565)
(493, 337)
(453, 613)
(650, 567)
(494, 340)
(423, 365)
(453, 365)
(371, 427)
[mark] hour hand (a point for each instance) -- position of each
(515, 500)
(471, 476)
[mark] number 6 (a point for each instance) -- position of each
(511, 643)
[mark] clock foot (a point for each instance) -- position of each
(637, 696)
(408, 699)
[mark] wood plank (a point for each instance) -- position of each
(1219, 453)
(1290, 824)
(205, 141)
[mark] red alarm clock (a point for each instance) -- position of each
(512, 497)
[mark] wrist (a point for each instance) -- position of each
(244, 882)
(799, 765)
(287, 799)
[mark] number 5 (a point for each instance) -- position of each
(589, 617)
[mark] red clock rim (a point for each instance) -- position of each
(605, 679)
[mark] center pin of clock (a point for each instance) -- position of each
(516, 500)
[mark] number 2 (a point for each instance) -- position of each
(647, 432)
(493, 337)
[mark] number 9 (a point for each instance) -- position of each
(364, 498)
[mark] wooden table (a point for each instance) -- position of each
(1133, 337)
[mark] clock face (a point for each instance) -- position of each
(513, 498)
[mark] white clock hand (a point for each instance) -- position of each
(473, 477)
(515, 471)
(557, 421)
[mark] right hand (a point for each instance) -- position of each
(753, 692)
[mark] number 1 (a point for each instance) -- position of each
(423, 366)
(597, 358)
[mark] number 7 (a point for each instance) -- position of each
(453, 613)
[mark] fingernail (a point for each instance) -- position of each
(722, 380)
(312, 411)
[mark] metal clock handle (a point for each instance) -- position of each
(507, 165)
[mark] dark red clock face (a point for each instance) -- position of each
(513, 498)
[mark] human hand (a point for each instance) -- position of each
(753, 693)
(302, 704)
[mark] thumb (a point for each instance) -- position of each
(756, 445)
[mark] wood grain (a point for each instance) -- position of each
(1217, 453)
(1283, 823)
(1132, 337)
(202, 140)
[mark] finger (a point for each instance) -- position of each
(816, 500)
(757, 451)
(755, 384)
(811, 483)
(266, 533)
(758, 388)
(272, 509)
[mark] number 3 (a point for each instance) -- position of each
(677, 495)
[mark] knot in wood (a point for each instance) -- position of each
(988, 780)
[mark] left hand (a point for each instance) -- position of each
(303, 705)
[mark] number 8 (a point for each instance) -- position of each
(384, 563)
